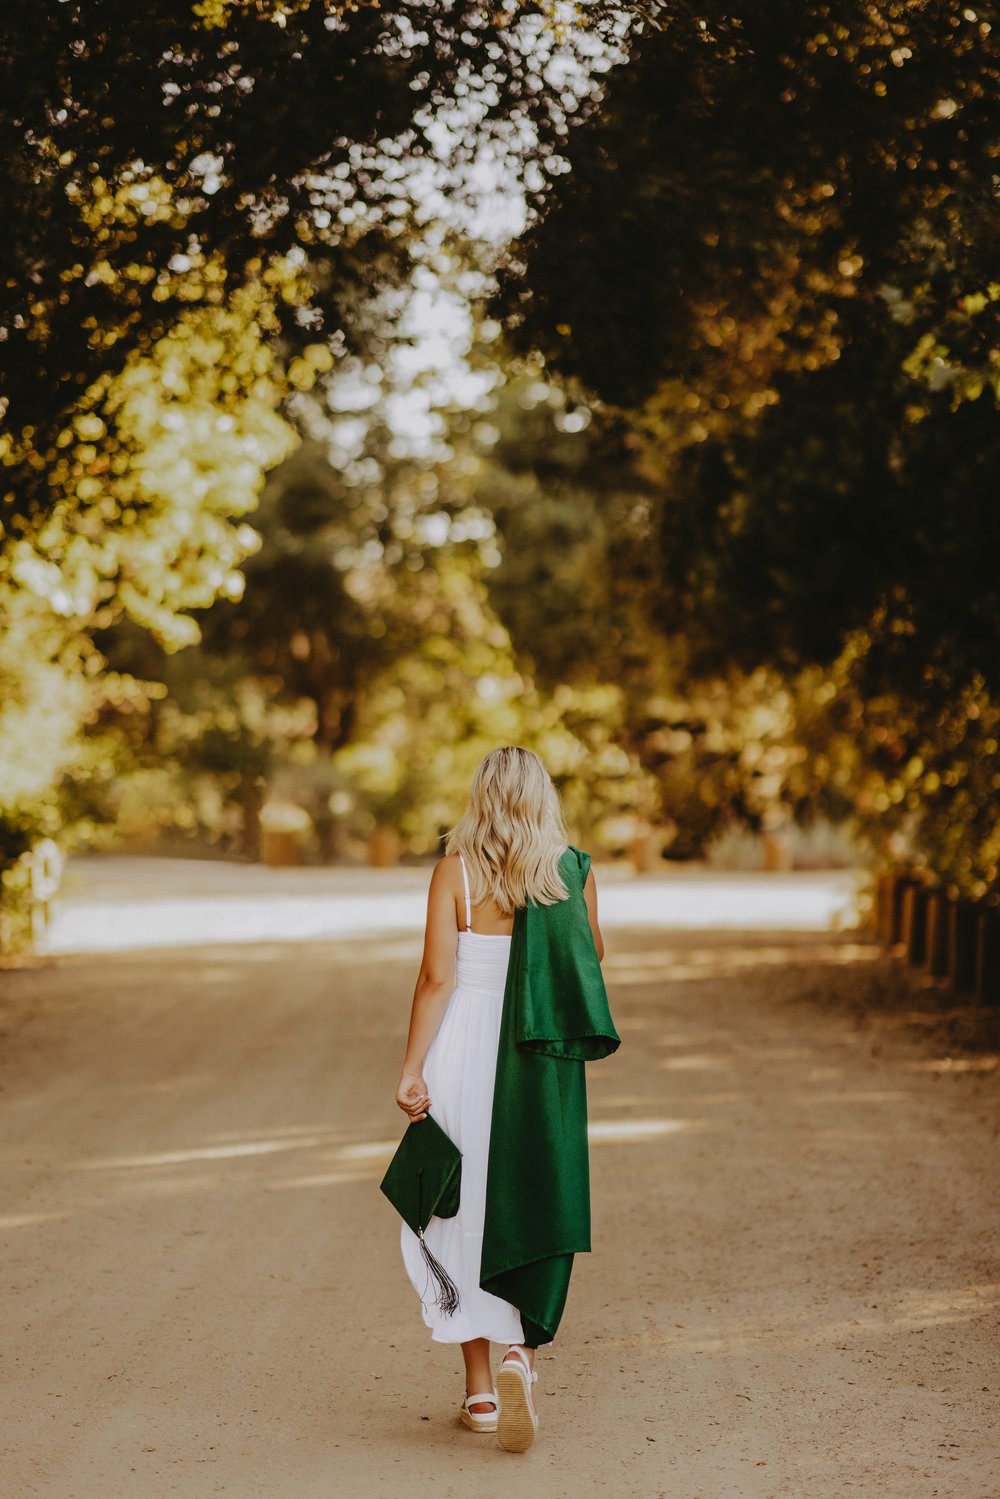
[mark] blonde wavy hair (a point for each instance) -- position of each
(512, 835)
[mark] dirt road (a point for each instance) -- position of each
(795, 1280)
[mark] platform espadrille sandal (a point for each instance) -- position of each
(517, 1422)
(479, 1420)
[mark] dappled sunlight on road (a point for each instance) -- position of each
(334, 1155)
(725, 960)
(28, 1220)
(612, 1131)
(695, 1062)
(205, 1153)
(806, 1322)
(953, 1064)
(848, 1096)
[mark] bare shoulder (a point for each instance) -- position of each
(443, 888)
(445, 872)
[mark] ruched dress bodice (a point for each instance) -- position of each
(481, 961)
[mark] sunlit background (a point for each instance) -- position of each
(576, 382)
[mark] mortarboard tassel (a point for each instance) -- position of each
(447, 1298)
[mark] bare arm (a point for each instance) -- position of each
(435, 982)
(590, 896)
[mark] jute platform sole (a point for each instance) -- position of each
(517, 1422)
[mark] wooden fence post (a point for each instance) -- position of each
(914, 922)
(962, 933)
(936, 943)
(988, 957)
(901, 883)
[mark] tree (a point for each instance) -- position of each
(774, 249)
(774, 257)
(206, 205)
(158, 157)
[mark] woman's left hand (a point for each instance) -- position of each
(412, 1096)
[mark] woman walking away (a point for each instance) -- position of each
(509, 1004)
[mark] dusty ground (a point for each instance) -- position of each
(795, 1280)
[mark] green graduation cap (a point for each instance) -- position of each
(423, 1181)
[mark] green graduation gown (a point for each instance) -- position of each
(555, 1018)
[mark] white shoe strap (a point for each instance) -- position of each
(522, 1360)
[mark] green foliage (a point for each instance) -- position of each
(794, 301)
(579, 587)
(774, 258)
(724, 556)
(47, 690)
(757, 178)
(207, 207)
(316, 621)
(154, 475)
(148, 495)
(158, 158)
(45, 693)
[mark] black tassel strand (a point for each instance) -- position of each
(447, 1298)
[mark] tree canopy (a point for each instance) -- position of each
(776, 248)
(774, 259)
(160, 156)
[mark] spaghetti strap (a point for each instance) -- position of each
(468, 903)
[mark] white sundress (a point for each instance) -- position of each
(459, 1071)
